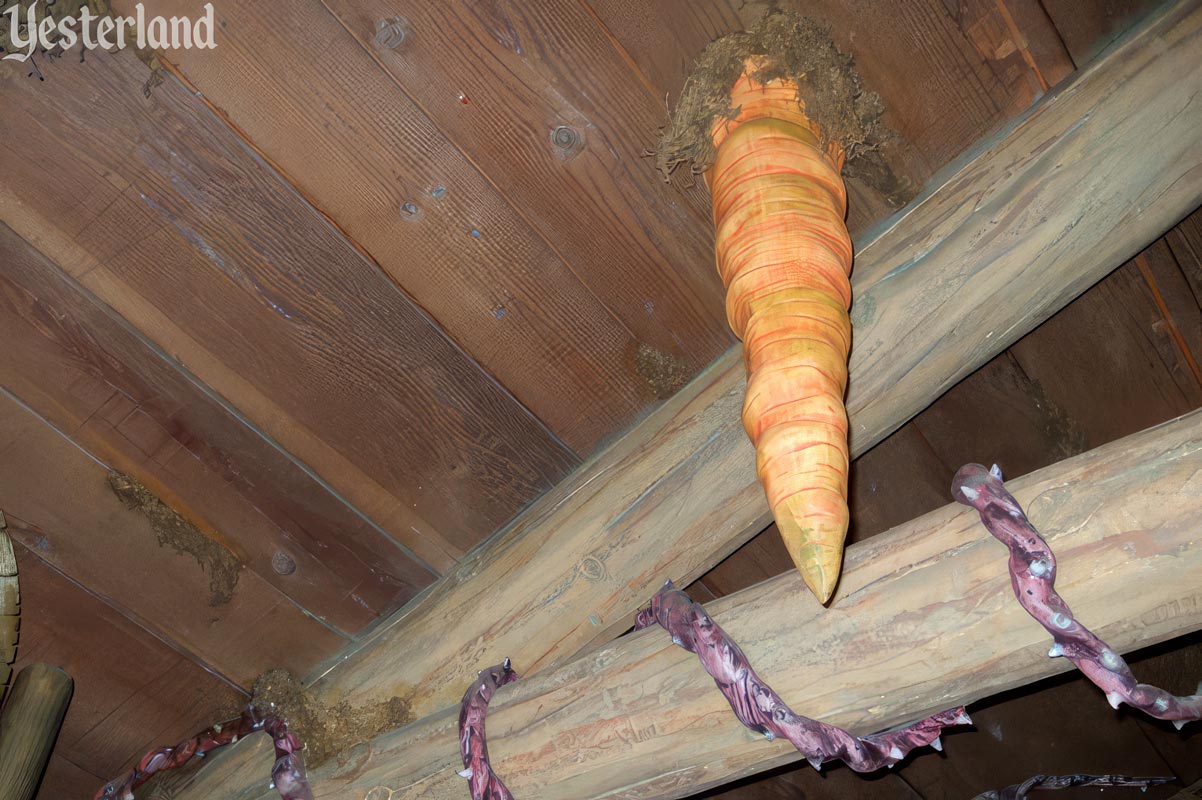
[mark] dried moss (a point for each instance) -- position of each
(172, 530)
(325, 730)
(665, 374)
(793, 47)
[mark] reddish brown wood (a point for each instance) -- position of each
(359, 148)
(131, 688)
(216, 259)
(642, 246)
(89, 374)
(58, 504)
(1088, 26)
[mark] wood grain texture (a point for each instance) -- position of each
(642, 246)
(323, 111)
(1087, 27)
(133, 690)
(925, 611)
(10, 607)
(93, 377)
(677, 494)
(29, 727)
(58, 503)
(206, 251)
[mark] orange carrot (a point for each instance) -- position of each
(784, 255)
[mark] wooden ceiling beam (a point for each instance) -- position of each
(1009, 235)
(927, 620)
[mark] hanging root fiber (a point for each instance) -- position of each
(287, 774)
(1033, 576)
(769, 116)
(482, 782)
(762, 710)
(1019, 791)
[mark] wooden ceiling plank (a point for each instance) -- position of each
(211, 256)
(1039, 215)
(664, 38)
(131, 689)
(642, 246)
(92, 377)
(1128, 357)
(302, 92)
(59, 504)
(926, 611)
(1089, 27)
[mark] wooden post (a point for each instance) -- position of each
(10, 607)
(28, 727)
(1034, 216)
(926, 620)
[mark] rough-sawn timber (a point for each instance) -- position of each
(926, 620)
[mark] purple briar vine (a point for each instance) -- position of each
(287, 774)
(482, 782)
(762, 710)
(1033, 576)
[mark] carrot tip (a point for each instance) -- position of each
(817, 551)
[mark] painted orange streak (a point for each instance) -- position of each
(784, 254)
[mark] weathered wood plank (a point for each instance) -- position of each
(158, 208)
(133, 691)
(1039, 215)
(1089, 26)
(86, 372)
(324, 113)
(926, 619)
(642, 246)
(58, 504)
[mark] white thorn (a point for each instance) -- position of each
(963, 719)
(896, 754)
(676, 641)
(769, 735)
(815, 762)
(1055, 651)
(1110, 660)
(466, 773)
(970, 493)
(1179, 723)
(937, 744)
(996, 471)
(1115, 699)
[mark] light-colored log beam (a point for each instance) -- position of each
(1034, 216)
(29, 727)
(926, 621)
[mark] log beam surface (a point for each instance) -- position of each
(1012, 233)
(29, 727)
(926, 620)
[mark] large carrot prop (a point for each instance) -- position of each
(784, 255)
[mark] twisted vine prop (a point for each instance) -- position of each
(482, 782)
(287, 775)
(1033, 576)
(1019, 791)
(762, 710)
